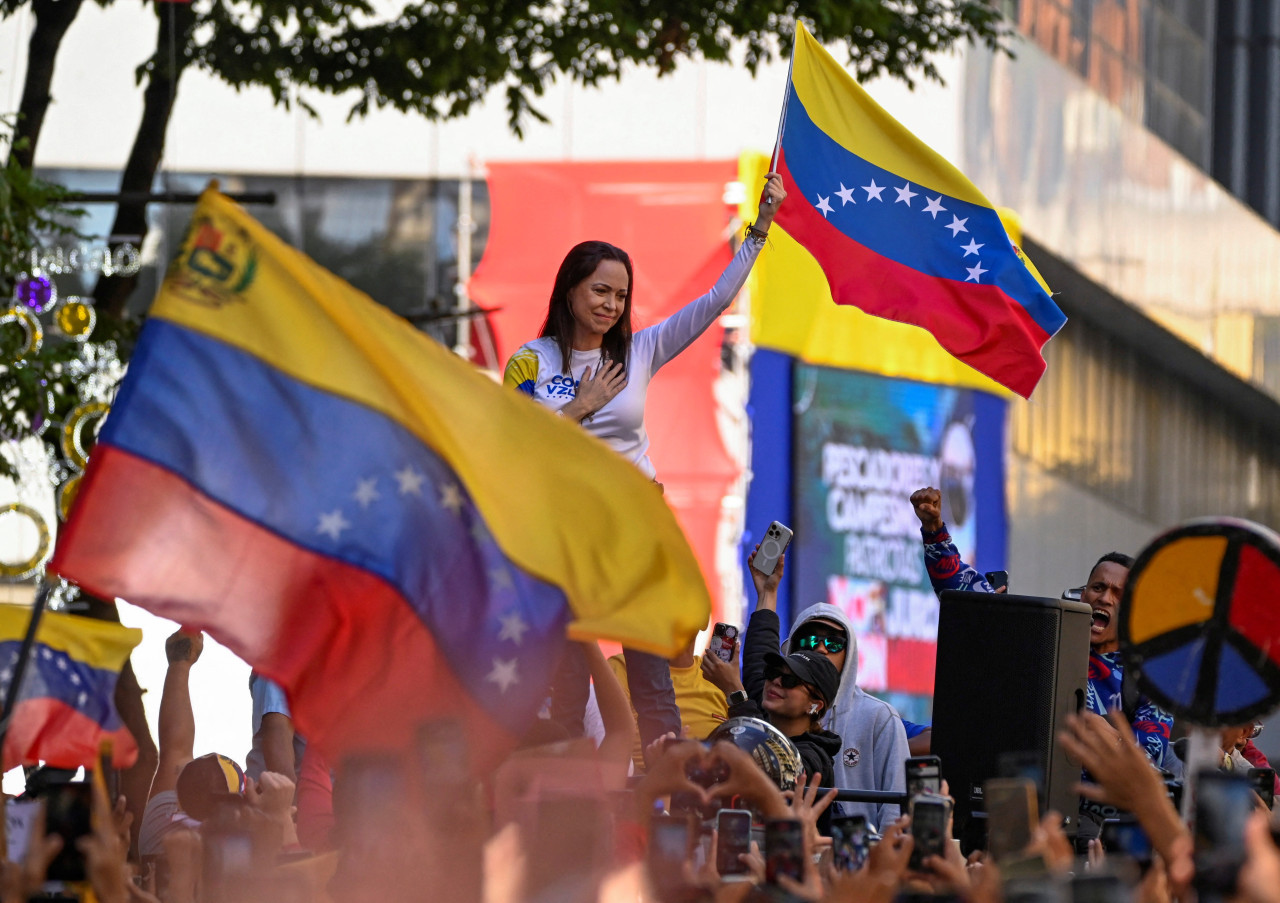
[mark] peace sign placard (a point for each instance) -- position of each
(1200, 621)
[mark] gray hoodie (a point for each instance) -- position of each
(874, 742)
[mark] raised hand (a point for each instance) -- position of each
(746, 779)
(273, 797)
(667, 772)
(770, 200)
(766, 584)
(928, 505)
(184, 646)
(807, 808)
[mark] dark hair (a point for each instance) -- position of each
(577, 266)
(1120, 558)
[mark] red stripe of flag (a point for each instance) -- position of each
(342, 638)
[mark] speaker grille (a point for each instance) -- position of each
(999, 685)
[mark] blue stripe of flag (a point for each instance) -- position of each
(53, 674)
(342, 480)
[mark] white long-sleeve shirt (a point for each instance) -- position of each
(535, 368)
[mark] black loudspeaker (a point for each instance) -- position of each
(1009, 671)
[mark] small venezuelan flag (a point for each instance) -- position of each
(900, 233)
(357, 512)
(66, 705)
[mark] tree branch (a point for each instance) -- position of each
(112, 292)
(53, 18)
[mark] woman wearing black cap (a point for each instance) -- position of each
(796, 692)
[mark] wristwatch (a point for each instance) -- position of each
(737, 697)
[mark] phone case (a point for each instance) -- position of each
(774, 545)
(724, 637)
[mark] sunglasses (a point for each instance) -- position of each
(813, 641)
(788, 680)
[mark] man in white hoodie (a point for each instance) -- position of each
(873, 749)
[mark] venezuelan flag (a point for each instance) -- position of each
(900, 233)
(358, 513)
(66, 705)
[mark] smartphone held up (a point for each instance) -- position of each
(772, 548)
(723, 642)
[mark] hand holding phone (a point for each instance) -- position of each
(930, 819)
(924, 775)
(733, 841)
(670, 843)
(783, 849)
(850, 842)
(1012, 815)
(68, 809)
(1224, 803)
(772, 548)
(724, 640)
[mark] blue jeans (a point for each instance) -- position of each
(648, 678)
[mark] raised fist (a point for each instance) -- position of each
(183, 646)
(928, 505)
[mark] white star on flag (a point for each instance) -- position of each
(972, 247)
(410, 481)
(957, 225)
(332, 524)
(933, 206)
(975, 272)
(82, 699)
(62, 664)
(824, 204)
(450, 497)
(46, 654)
(366, 492)
(478, 532)
(873, 190)
(75, 678)
(6, 675)
(503, 673)
(501, 579)
(845, 195)
(905, 194)
(513, 628)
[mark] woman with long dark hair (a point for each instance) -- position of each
(588, 366)
(586, 363)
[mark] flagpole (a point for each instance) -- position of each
(786, 98)
(24, 655)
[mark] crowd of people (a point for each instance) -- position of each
(763, 773)
(585, 811)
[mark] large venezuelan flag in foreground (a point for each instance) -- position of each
(66, 705)
(357, 512)
(900, 233)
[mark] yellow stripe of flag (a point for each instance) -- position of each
(865, 128)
